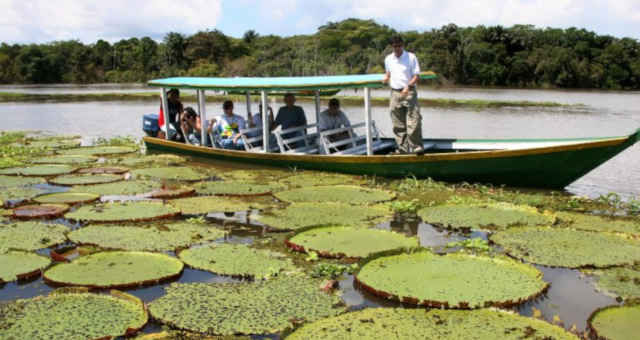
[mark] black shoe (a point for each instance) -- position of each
(419, 151)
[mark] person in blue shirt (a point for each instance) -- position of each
(290, 116)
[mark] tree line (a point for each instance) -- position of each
(517, 56)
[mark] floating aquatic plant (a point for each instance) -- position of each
(300, 215)
(73, 315)
(484, 216)
(340, 241)
(115, 269)
(67, 198)
(19, 194)
(600, 223)
(568, 248)
(17, 181)
(31, 235)
(177, 173)
(455, 280)
(178, 192)
(160, 237)
(40, 211)
(255, 175)
(236, 260)
(262, 307)
(17, 265)
(40, 170)
(124, 188)
(126, 211)
(54, 144)
(313, 178)
(85, 179)
(339, 193)
(615, 322)
(397, 323)
(100, 150)
(103, 170)
(230, 188)
(65, 159)
(207, 204)
(620, 281)
(159, 160)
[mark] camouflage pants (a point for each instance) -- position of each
(406, 120)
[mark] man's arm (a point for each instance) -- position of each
(386, 77)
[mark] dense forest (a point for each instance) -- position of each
(518, 56)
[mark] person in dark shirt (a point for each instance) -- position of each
(290, 116)
(175, 108)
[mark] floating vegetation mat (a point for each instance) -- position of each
(65, 159)
(85, 179)
(115, 269)
(19, 265)
(255, 175)
(124, 188)
(338, 193)
(621, 281)
(122, 212)
(484, 217)
(451, 281)
(599, 223)
(183, 335)
(569, 248)
(236, 188)
(263, 307)
(16, 181)
(54, 144)
(177, 173)
(615, 323)
(73, 315)
(311, 178)
(67, 198)
(40, 211)
(397, 323)
(206, 204)
(163, 237)
(160, 160)
(300, 215)
(100, 150)
(40, 170)
(342, 241)
(104, 170)
(237, 260)
(19, 194)
(172, 193)
(31, 235)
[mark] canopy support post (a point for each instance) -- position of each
(248, 107)
(317, 99)
(165, 111)
(203, 117)
(266, 126)
(367, 119)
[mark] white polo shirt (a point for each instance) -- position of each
(401, 69)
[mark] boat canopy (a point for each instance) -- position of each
(277, 83)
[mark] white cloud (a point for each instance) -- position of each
(89, 20)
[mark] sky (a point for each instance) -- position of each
(41, 21)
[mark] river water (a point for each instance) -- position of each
(590, 113)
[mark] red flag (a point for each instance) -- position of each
(161, 117)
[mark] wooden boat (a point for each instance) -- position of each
(539, 163)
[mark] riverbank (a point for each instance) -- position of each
(6, 97)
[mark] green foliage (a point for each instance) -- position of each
(398, 323)
(31, 235)
(116, 141)
(332, 270)
(255, 175)
(455, 280)
(207, 204)
(179, 173)
(121, 212)
(263, 307)
(124, 188)
(568, 248)
(115, 269)
(100, 150)
(67, 198)
(403, 207)
(312, 178)
(600, 223)
(39, 170)
(620, 281)
(15, 263)
(346, 194)
(157, 160)
(473, 244)
(17, 181)
(71, 316)
(235, 188)
(85, 179)
(65, 159)
(616, 322)
(19, 193)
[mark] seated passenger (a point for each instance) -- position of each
(290, 116)
(191, 126)
(174, 108)
(225, 128)
(334, 118)
(256, 121)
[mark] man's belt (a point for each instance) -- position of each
(400, 90)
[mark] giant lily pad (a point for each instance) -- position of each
(257, 308)
(148, 238)
(85, 179)
(124, 188)
(31, 235)
(127, 211)
(225, 188)
(40, 211)
(568, 248)
(255, 175)
(115, 269)
(104, 170)
(160, 160)
(73, 315)
(452, 281)
(40, 170)
(338, 193)
(623, 282)
(236, 260)
(312, 178)
(19, 193)
(177, 173)
(67, 198)
(616, 322)
(207, 204)
(171, 193)
(18, 265)
(55, 144)
(16, 181)
(100, 150)
(484, 216)
(300, 215)
(340, 241)
(397, 323)
(599, 223)
(65, 159)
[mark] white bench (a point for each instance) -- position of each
(354, 144)
(255, 144)
(309, 141)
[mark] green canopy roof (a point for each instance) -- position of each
(277, 83)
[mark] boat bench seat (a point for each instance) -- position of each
(354, 144)
(300, 142)
(254, 143)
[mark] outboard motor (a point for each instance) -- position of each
(150, 124)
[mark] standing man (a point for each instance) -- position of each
(402, 73)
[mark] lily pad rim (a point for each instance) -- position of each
(28, 276)
(592, 330)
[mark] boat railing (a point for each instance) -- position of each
(298, 140)
(345, 141)
(252, 139)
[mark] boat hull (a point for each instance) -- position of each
(552, 167)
